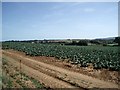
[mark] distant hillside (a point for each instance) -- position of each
(109, 38)
(80, 42)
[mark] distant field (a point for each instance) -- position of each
(99, 56)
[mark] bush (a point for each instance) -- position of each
(82, 43)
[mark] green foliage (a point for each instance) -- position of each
(34, 81)
(4, 61)
(37, 83)
(7, 81)
(82, 43)
(99, 56)
(95, 42)
(9, 84)
(79, 43)
(117, 40)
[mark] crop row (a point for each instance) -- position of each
(99, 56)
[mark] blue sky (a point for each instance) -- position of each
(0, 21)
(60, 20)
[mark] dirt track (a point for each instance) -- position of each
(53, 76)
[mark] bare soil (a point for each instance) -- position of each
(56, 73)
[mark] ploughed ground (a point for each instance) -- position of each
(55, 73)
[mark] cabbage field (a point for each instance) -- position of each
(100, 56)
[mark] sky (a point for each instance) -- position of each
(60, 0)
(59, 20)
(0, 21)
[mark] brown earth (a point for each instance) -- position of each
(61, 74)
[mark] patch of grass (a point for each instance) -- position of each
(21, 84)
(9, 84)
(37, 83)
(4, 61)
(5, 78)
(18, 81)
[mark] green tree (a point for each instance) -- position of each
(117, 40)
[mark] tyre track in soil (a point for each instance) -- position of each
(47, 80)
(61, 74)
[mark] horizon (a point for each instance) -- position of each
(59, 20)
(60, 39)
